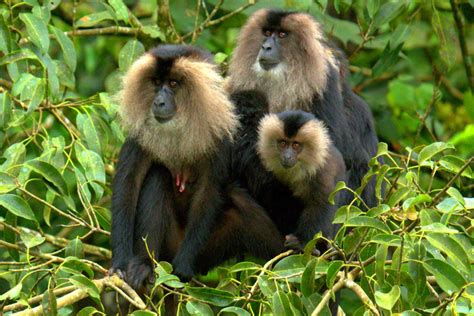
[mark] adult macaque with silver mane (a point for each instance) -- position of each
(173, 174)
(296, 148)
(285, 56)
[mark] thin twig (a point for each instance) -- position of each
(451, 181)
(462, 42)
(265, 267)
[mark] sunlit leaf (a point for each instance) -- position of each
(87, 285)
(388, 300)
(12, 293)
(435, 148)
(7, 183)
(365, 221)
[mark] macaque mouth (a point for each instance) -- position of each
(287, 164)
(163, 119)
(268, 64)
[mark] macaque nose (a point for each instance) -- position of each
(160, 102)
(267, 46)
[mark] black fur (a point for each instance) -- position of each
(294, 120)
(274, 18)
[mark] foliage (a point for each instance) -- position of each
(60, 65)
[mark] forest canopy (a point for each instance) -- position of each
(61, 64)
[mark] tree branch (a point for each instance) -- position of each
(79, 293)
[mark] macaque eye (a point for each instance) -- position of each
(173, 83)
(282, 144)
(157, 81)
(296, 146)
(267, 33)
(282, 34)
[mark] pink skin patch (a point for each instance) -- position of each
(181, 179)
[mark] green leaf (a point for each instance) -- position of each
(12, 293)
(16, 205)
(50, 173)
(438, 228)
(67, 47)
(435, 148)
(170, 280)
(94, 18)
(399, 195)
(345, 212)
(378, 210)
(388, 59)
(281, 304)
(411, 202)
(87, 311)
(211, 296)
(120, 9)
(154, 32)
(449, 205)
(235, 310)
(198, 308)
(75, 248)
(388, 11)
(5, 36)
(339, 186)
(454, 193)
(5, 110)
(452, 249)
(372, 7)
(30, 238)
(94, 168)
(454, 165)
(244, 266)
(129, 53)
(15, 155)
(380, 257)
(87, 285)
(37, 31)
(266, 286)
(12, 58)
(365, 221)
(334, 267)
(387, 300)
(387, 239)
(447, 277)
(7, 183)
(219, 58)
(87, 128)
(307, 279)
